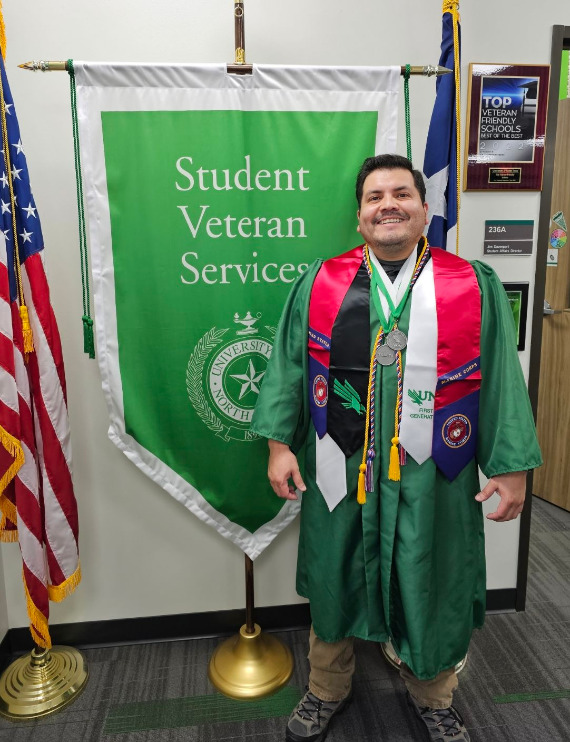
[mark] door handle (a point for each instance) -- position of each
(549, 310)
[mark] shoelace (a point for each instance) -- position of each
(310, 705)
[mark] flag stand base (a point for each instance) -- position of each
(42, 682)
(250, 665)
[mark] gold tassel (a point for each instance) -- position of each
(26, 330)
(361, 492)
(394, 468)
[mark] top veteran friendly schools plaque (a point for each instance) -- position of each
(506, 127)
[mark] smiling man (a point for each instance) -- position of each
(395, 369)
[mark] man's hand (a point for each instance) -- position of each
(511, 489)
(282, 467)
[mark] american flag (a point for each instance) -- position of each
(441, 160)
(36, 492)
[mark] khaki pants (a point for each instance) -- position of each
(332, 667)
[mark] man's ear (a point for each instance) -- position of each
(426, 210)
(358, 217)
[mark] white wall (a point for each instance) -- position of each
(143, 553)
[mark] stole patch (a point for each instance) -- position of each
(320, 390)
(456, 431)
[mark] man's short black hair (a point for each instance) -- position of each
(388, 162)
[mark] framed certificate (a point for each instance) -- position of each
(506, 126)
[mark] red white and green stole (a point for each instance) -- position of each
(339, 358)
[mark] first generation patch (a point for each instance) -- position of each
(456, 431)
(320, 390)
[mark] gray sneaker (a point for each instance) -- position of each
(309, 721)
(441, 725)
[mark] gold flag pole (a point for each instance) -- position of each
(250, 664)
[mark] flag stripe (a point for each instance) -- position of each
(46, 383)
(34, 275)
(55, 472)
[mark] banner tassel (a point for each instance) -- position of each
(88, 339)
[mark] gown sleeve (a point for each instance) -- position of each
(281, 411)
(507, 439)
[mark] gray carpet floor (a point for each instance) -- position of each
(515, 686)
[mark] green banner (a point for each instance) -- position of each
(213, 214)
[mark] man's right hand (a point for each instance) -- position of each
(282, 467)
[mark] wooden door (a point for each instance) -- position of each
(552, 480)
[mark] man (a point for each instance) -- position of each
(395, 369)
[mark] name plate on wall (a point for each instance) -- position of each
(508, 237)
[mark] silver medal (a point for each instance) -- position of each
(396, 340)
(385, 355)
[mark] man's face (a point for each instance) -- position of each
(392, 217)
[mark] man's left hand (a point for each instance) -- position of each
(511, 488)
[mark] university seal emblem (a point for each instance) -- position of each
(224, 375)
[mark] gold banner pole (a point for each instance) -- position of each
(251, 664)
(428, 70)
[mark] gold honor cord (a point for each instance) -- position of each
(26, 329)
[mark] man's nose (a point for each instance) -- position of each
(388, 202)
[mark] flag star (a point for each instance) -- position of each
(7, 234)
(30, 211)
(250, 380)
(19, 146)
(4, 179)
(435, 192)
(26, 236)
(7, 107)
(16, 173)
(5, 207)
(15, 199)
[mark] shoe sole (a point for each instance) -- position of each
(292, 737)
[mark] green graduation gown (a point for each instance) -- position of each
(408, 565)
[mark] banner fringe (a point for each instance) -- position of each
(57, 593)
(14, 448)
(37, 619)
(7, 536)
(8, 510)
